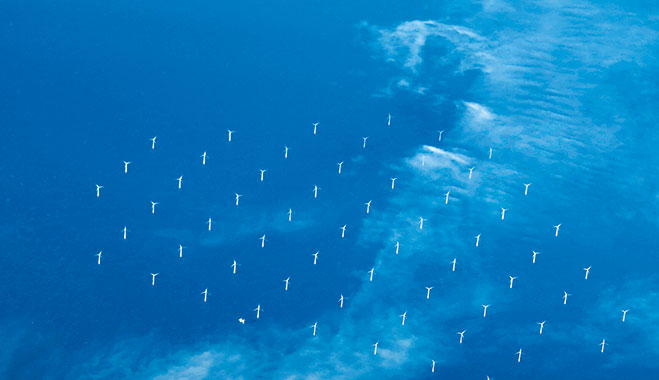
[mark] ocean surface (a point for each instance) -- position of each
(564, 93)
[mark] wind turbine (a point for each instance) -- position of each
(478, 238)
(286, 283)
(462, 334)
(375, 350)
(210, 223)
(234, 266)
(341, 302)
(180, 181)
(447, 194)
(587, 272)
(624, 314)
(404, 315)
(453, 262)
(180, 250)
(534, 255)
(205, 293)
(98, 190)
(542, 325)
(230, 133)
(315, 191)
(124, 231)
(603, 344)
(153, 142)
(290, 214)
(439, 138)
(99, 257)
(315, 127)
(126, 166)
(258, 311)
(512, 278)
(518, 353)
(503, 212)
(490, 154)
(238, 198)
(397, 247)
(428, 288)
(372, 271)
(262, 238)
(421, 222)
(526, 188)
(314, 328)
(285, 151)
(315, 257)
(203, 159)
(153, 278)
(393, 182)
(565, 295)
(471, 171)
(340, 165)
(343, 231)
(485, 310)
(557, 227)
(153, 207)
(368, 206)
(388, 120)
(262, 172)
(364, 144)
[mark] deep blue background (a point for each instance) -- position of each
(86, 84)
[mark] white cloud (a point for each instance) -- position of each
(536, 73)
(406, 42)
(196, 367)
(478, 113)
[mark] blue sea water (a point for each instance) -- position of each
(564, 93)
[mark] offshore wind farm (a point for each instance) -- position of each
(336, 191)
